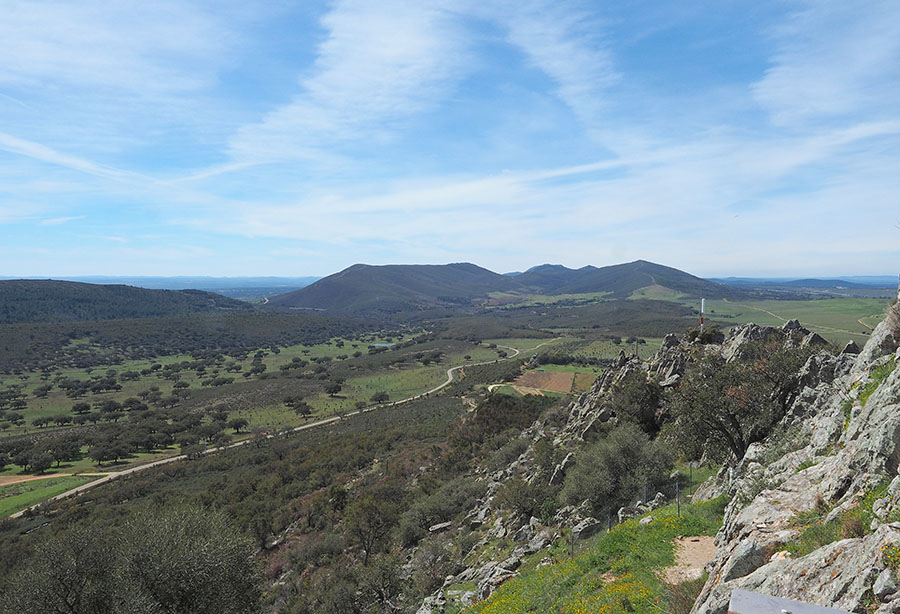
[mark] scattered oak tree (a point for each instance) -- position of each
(722, 407)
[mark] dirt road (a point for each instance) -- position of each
(114, 475)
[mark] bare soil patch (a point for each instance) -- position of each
(554, 381)
(691, 555)
(526, 390)
(7, 480)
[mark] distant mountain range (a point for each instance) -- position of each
(31, 300)
(235, 287)
(383, 290)
(852, 281)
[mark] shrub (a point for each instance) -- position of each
(178, 561)
(613, 471)
(852, 527)
(508, 453)
(524, 499)
(442, 505)
(637, 399)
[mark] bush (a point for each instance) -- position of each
(508, 453)
(524, 499)
(613, 471)
(637, 399)
(442, 505)
(185, 560)
(852, 527)
(710, 334)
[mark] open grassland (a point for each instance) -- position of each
(366, 365)
(506, 300)
(620, 571)
(84, 464)
(659, 293)
(17, 497)
(837, 319)
(150, 375)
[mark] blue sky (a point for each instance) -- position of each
(288, 138)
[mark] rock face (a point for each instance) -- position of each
(831, 448)
(836, 461)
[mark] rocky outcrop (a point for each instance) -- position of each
(831, 461)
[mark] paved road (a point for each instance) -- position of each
(114, 475)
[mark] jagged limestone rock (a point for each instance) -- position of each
(851, 348)
(813, 340)
(740, 335)
(586, 528)
(559, 472)
(844, 463)
(885, 584)
(838, 575)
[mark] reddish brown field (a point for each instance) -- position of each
(554, 381)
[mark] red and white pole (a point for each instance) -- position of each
(702, 310)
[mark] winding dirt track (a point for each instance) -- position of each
(114, 475)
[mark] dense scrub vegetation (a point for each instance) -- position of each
(181, 560)
(27, 300)
(86, 344)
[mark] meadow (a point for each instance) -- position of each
(17, 497)
(837, 319)
(616, 571)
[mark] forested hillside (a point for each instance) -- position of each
(27, 300)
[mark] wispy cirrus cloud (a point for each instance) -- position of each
(440, 130)
(126, 46)
(43, 153)
(56, 221)
(378, 64)
(833, 59)
(566, 41)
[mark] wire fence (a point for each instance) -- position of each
(677, 490)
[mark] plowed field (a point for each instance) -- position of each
(554, 381)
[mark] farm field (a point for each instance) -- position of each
(837, 319)
(16, 497)
(554, 381)
(563, 379)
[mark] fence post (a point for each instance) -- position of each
(572, 541)
(677, 497)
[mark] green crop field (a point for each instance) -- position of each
(837, 319)
(16, 497)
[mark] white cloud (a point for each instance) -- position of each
(125, 46)
(379, 64)
(56, 221)
(46, 154)
(565, 42)
(834, 58)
